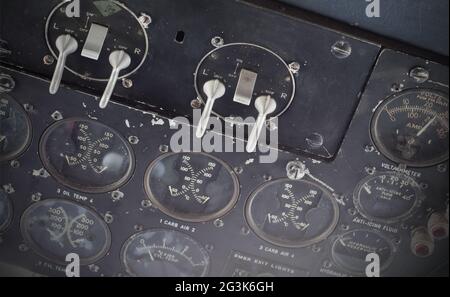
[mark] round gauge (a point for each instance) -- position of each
(15, 129)
(5, 211)
(292, 214)
(86, 155)
(388, 197)
(411, 128)
(270, 75)
(55, 228)
(164, 253)
(351, 249)
(193, 187)
(124, 32)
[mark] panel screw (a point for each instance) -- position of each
(48, 60)
(419, 75)
(217, 41)
(341, 49)
(294, 67)
(145, 20)
(127, 83)
(315, 140)
(296, 170)
(196, 104)
(7, 83)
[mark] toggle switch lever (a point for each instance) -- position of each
(119, 61)
(265, 106)
(66, 46)
(213, 89)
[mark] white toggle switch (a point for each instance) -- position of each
(119, 61)
(213, 89)
(66, 46)
(94, 42)
(245, 87)
(265, 106)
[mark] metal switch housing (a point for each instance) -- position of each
(245, 87)
(94, 41)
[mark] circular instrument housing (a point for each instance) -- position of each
(6, 211)
(55, 228)
(164, 253)
(388, 197)
(86, 155)
(350, 250)
(15, 129)
(193, 187)
(292, 214)
(125, 32)
(411, 128)
(225, 63)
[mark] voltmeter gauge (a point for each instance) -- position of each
(388, 197)
(193, 187)
(292, 214)
(164, 253)
(350, 250)
(86, 155)
(5, 211)
(15, 129)
(55, 228)
(248, 71)
(411, 128)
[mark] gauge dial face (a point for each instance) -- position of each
(411, 128)
(15, 129)
(193, 187)
(225, 64)
(164, 253)
(86, 155)
(388, 197)
(125, 32)
(5, 211)
(55, 228)
(351, 249)
(292, 213)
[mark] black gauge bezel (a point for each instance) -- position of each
(89, 190)
(186, 217)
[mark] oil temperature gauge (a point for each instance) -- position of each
(5, 211)
(388, 197)
(15, 129)
(164, 253)
(193, 187)
(411, 128)
(292, 214)
(86, 155)
(351, 249)
(55, 228)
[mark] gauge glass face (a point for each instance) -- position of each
(56, 228)
(226, 63)
(292, 213)
(5, 211)
(86, 155)
(388, 197)
(15, 129)
(411, 128)
(124, 32)
(164, 253)
(192, 186)
(351, 249)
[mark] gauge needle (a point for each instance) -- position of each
(425, 128)
(103, 170)
(149, 252)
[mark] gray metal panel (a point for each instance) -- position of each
(423, 23)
